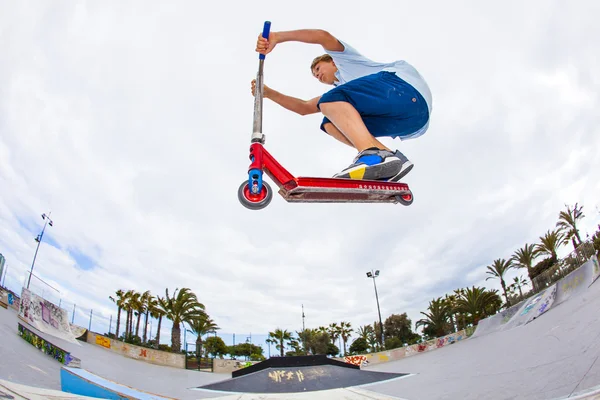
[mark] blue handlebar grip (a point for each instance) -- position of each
(265, 34)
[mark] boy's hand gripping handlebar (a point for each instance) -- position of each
(257, 135)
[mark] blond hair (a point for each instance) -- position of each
(324, 57)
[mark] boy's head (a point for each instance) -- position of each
(323, 68)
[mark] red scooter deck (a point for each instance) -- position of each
(334, 190)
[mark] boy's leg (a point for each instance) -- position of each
(335, 132)
(349, 123)
(374, 161)
(369, 107)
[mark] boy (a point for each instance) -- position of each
(369, 100)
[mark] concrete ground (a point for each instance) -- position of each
(552, 357)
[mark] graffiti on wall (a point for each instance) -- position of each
(46, 347)
(45, 316)
(356, 360)
(283, 375)
(103, 341)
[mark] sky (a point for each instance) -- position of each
(130, 122)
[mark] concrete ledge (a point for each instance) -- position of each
(62, 356)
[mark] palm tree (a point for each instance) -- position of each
(437, 321)
(450, 301)
(201, 326)
(478, 303)
(158, 311)
(567, 224)
(551, 242)
(524, 258)
(119, 300)
(151, 304)
(497, 270)
(182, 307)
(136, 305)
(142, 309)
(519, 282)
(345, 333)
(279, 338)
(365, 331)
(128, 306)
(334, 331)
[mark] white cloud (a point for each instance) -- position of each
(131, 123)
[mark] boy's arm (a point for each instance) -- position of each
(302, 107)
(315, 36)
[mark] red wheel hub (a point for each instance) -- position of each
(255, 198)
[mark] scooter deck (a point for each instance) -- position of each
(339, 190)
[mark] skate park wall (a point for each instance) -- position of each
(45, 316)
(138, 352)
(533, 307)
(407, 351)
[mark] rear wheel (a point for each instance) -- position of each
(255, 201)
(405, 199)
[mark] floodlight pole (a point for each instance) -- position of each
(375, 275)
(38, 239)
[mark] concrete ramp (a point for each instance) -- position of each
(82, 382)
(45, 316)
(574, 284)
(15, 391)
(299, 375)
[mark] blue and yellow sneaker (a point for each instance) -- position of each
(377, 164)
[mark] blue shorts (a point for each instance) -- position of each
(388, 105)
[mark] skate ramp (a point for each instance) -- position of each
(80, 381)
(555, 355)
(45, 316)
(298, 375)
(572, 285)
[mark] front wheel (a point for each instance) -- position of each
(405, 199)
(254, 201)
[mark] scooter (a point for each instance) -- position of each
(256, 194)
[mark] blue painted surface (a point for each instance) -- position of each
(84, 383)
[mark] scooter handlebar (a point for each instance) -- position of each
(265, 34)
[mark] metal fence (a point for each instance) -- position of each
(564, 266)
(203, 363)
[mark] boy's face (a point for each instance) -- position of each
(325, 71)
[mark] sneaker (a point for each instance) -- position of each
(407, 166)
(375, 164)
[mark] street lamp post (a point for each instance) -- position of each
(38, 239)
(374, 275)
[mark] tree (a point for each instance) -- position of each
(550, 243)
(399, 326)
(567, 224)
(201, 326)
(437, 321)
(182, 307)
(280, 338)
(359, 345)
(119, 300)
(497, 270)
(157, 311)
(215, 346)
(519, 282)
(345, 333)
(478, 303)
(524, 258)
